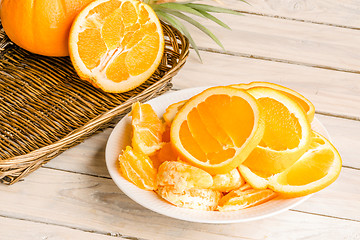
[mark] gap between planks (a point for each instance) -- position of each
(354, 118)
(297, 19)
(323, 215)
(264, 58)
(117, 235)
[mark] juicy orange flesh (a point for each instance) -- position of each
(216, 127)
(147, 128)
(183, 176)
(138, 169)
(166, 153)
(288, 127)
(118, 40)
(314, 167)
(247, 198)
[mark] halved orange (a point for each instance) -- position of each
(116, 44)
(315, 170)
(297, 97)
(287, 133)
(147, 129)
(217, 129)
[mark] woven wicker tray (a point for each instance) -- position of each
(45, 108)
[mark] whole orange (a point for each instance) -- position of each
(40, 26)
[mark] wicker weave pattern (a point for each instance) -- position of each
(45, 108)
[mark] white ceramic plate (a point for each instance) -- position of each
(120, 138)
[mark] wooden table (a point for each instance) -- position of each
(310, 46)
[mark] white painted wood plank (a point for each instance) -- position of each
(293, 41)
(345, 135)
(341, 13)
(330, 91)
(27, 230)
(341, 199)
(86, 202)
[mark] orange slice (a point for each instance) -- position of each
(147, 129)
(228, 181)
(217, 129)
(287, 133)
(297, 97)
(315, 170)
(240, 199)
(116, 44)
(260, 182)
(138, 169)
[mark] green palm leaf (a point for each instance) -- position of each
(173, 12)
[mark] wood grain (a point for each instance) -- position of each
(22, 229)
(86, 202)
(284, 40)
(331, 12)
(331, 92)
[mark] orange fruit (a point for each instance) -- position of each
(217, 129)
(240, 199)
(297, 97)
(166, 153)
(147, 129)
(194, 198)
(182, 176)
(40, 26)
(172, 110)
(258, 181)
(137, 168)
(315, 170)
(228, 181)
(287, 133)
(116, 44)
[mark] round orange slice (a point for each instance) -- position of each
(315, 170)
(287, 133)
(217, 129)
(116, 44)
(297, 97)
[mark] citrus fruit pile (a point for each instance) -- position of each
(229, 148)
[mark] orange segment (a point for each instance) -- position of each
(166, 153)
(172, 110)
(147, 129)
(183, 176)
(228, 181)
(138, 169)
(116, 44)
(297, 97)
(240, 199)
(287, 133)
(315, 170)
(217, 129)
(194, 198)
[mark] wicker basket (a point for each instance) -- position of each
(45, 108)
